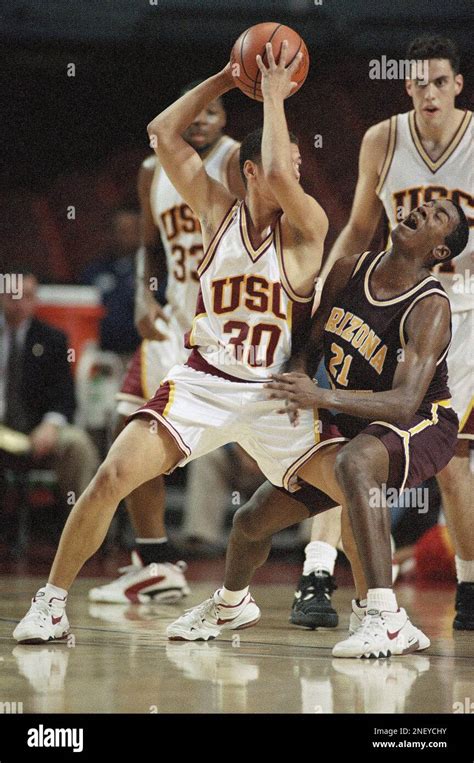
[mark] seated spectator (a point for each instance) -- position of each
(113, 275)
(37, 392)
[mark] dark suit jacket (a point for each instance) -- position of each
(47, 383)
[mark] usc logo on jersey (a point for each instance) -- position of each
(251, 292)
(179, 219)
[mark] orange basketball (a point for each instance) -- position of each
(247, 75)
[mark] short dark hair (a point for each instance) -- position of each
(251, 148)
(434, 46)
(457, 240)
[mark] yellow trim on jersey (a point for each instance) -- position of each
(360, 262)
(193, 326)
(392, 140)
(216, 238)
(170, 399)
(401, 297)
(316, 420)
(289, 315)
(450, 148)
(407, 312)
(283, 277)
(143, 379)
(464, 419)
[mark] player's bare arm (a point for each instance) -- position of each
(366, 206)
(208, 198)
(308, 350)
(428, 334)
(304, 222)
(147, 309)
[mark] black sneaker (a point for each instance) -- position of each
(312, 603)
(464, 617)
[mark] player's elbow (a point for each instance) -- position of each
(158, 129)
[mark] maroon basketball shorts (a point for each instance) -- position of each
(416, 453)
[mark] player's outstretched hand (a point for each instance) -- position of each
(146, 317)
(276, 78)
(298, 391)
(227, 73)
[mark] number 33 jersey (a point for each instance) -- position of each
(180, 231)
(248, 317)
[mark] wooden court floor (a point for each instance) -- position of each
(120, 661)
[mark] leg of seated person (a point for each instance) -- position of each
(75, 460)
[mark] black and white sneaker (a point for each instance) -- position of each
(312, 603)
(464, 617)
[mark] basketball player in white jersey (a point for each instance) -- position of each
(166, 219)
(421, 155)
(254, 308)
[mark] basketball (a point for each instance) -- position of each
(252, 42)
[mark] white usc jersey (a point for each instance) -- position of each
(180, 231)
(247, 312)
(410, 177)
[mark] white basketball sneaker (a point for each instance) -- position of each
(46, 620)
(358, 613)
(141, 585)
(213, 616)
(381, 634)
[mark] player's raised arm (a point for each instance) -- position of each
(183, 165)
(305, 216)
(366, 206)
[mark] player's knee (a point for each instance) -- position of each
(112, 479)
(352, 464)
(245, 524)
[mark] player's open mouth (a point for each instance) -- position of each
(412, 221)
(431, 109)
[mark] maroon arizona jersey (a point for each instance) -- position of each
(364, 337)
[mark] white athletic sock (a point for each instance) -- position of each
(58, 593)
(319, 556)
(362, 603)
(232, 597)
(151, 540)
(382, 599)
(464, 570)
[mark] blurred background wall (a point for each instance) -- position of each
(79, 140)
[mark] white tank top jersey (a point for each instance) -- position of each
(247, 313)
(180, 230)
(410, 177)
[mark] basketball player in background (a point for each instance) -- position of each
(412, 158)
(254, 308)
(171, 243)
